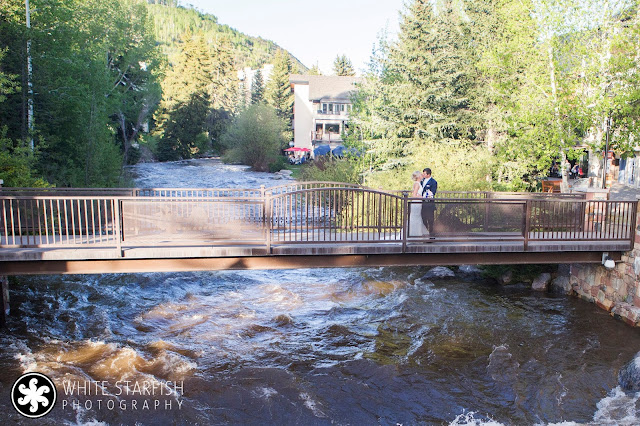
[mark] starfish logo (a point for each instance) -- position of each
(33, 395)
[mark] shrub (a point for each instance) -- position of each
(255, 138)
(330, 169)
(280, 163)
(455, 167)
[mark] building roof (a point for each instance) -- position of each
(327, 87)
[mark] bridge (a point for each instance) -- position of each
(313, 224)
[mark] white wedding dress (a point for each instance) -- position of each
(416, 226)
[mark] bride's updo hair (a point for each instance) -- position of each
(416, 175)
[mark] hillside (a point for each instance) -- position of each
(171, 21)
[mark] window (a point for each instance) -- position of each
(332, 128)
(324, 108)
(330, 108)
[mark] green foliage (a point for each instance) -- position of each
(417, 94)
(16, 164)
(257, 88)
(172, 21)
(278, 92)
(342, 66)
(314, 70)
(197, 102)
(255, 138)
(280, 163)
(97, 68)
(455, 167)
(95, 65)
(8, 82)
(330, 169)
(531, 81)
(182, 137)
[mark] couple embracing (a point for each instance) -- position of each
(422, 214)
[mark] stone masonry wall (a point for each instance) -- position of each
(617, 290)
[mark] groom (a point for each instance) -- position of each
(429, 189)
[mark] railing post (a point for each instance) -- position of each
(118, 230)
(379, 215)
(405, 219)
(487, 212)
(268, 219)
(527, 223)
(634, 223)
(4, 300)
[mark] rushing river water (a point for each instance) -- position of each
(313, 346)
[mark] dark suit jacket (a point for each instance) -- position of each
(431, 185)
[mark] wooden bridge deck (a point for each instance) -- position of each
(19, 261)
(322, 226)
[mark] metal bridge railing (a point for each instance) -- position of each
(289, 215)
(275, 190)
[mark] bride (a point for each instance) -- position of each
(416, 226)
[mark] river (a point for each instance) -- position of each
(359, 346)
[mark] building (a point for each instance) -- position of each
(321, 109)
(246, 77)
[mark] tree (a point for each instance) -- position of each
(185, 113)
(255, 138)
(8, 82)
(89, 88)
(257, 88)
(16, 159)
(314, 70)
(278, 92)
(422, 92)
(135, 68)
(622, 102)
(183, 129)
(512, 77)
(552, 80)
(224, 87)
(192, 71)
(342, 66)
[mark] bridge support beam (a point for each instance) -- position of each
(129, 265)
(4, 299)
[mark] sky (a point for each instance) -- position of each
(315, 32)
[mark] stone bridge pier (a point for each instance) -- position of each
(617, 289)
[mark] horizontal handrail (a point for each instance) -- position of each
(257, 192)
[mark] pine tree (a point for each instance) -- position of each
(428, 77)
(314, 70)
(225, 79)
(183, 128)
(342, 66)
(192, 72)
(278, 91)
(257, 88)
(418, 91)
(188, 90)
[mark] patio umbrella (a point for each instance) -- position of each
(338, 151)
(322, 150)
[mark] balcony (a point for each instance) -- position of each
(326, 137)
(331, 113)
